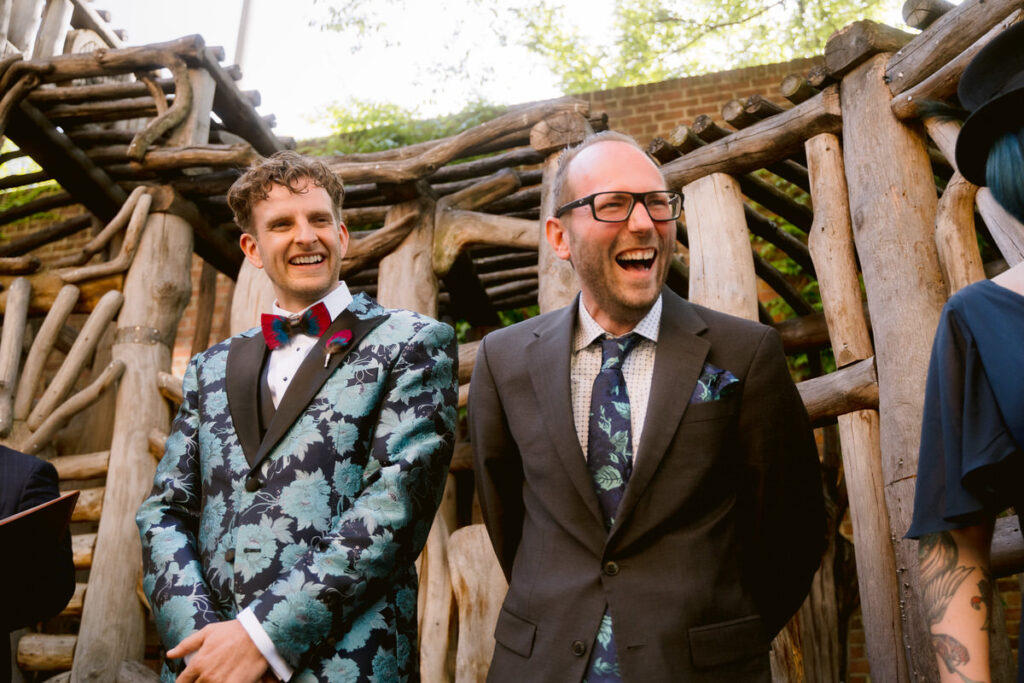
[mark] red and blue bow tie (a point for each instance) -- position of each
(279, 329)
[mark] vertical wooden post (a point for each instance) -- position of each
(721, 264)
(556, 279)
(893, 205)
(406, 279)
(406, 276)
(157, 289)
(832, 249)
(195, 129)
(53, 29)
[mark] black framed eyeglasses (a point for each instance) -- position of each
(615, 207)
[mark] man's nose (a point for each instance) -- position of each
(640, 219)
(305, 233)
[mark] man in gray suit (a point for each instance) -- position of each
(649, 479)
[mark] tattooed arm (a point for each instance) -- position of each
(957, 600)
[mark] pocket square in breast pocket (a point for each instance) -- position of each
(714, 384)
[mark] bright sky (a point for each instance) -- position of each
(300, 69)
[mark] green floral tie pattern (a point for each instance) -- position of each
(610, 461)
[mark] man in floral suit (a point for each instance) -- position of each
(648, 478)
(305, 465)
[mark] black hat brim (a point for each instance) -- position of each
(981, 130)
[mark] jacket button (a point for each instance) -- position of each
(611, 568)
(252, 484)
(332, 641)
(579, 648)
(229, 556)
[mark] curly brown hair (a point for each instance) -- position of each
(288, 169)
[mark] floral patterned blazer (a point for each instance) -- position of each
(314, 526)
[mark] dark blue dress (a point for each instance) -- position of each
(971, 463)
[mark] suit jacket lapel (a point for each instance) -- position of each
(245, 362)
(550, 378)
(311, 376)
(677, 365)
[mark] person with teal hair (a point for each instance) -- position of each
(971, 460)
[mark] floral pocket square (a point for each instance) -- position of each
(714, 384)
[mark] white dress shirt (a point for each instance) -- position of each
(282, 365)
(638, 369)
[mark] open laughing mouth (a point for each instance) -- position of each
(306, 260)
(637, 259)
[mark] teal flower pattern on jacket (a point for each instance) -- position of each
(323, 552)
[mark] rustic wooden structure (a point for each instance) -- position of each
(808, 173)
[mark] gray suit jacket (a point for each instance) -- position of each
(720, 530)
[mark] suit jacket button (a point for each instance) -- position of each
(332, 641)
(579, 648)
(252, 484)
(611, 568)
(229, 556)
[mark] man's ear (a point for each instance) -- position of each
(558, 237)
(250, 248)
(343, 236)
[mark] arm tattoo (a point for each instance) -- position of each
(940, 578)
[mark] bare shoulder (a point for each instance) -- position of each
(1012, 279)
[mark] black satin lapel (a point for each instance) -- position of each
(677, 365)
(311, 376)
(551, 353)
(245, 361)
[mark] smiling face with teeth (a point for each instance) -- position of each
(299, 242)
(621, 266)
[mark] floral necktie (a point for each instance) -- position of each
(610, 461)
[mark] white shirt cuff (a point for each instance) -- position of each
(263, 643)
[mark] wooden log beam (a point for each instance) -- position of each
(82, 466)
(763, 143)
(805, 333)
(19, 265)
(853, 44)
(46, 651)
(557, 283)
(81, 352)
(1006, 231)
(40, 350)
(89, 507)
(921, 14)
(101, 111)
(67, 94)
(71, 407)
(721, 265)
(62, 68)
(234, 109)
(776, 201)
(1007, 548)
(85, 16)
(769, 231)
(480, 588)
(955, 238)
(48, 202)
(158, 287)
(22, 179)
(367, 251)
(11, 341)
(64, 162)
(51, 233)
(942, 83)
(894, 234)
(796, 89)
(46, 286)
(169, 387)
(482, 167)
(81, 550)
(407, 278)
(74, 606)
(449, 149)
(948, 36)
(780, 285)
(849, 389)
(558, 131)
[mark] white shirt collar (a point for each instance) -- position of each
(588, 329)
(337, 300)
